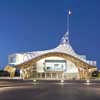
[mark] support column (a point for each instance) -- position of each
(78, 76)
(45, 76)
(40, 75)
(62, 75)
(84, 73)
(57, 75)
(51, 75)
(87, 73)
(79, 73)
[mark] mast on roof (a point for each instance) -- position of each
(65, 38)
(68, 23)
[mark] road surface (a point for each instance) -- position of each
(20, 90)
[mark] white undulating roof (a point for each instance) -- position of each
(63, 47)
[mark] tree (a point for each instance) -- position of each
(95, 74)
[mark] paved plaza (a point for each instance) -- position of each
(49, 90)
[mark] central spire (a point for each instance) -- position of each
(65, 38)
(68, 23)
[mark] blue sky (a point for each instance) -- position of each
(28, 25)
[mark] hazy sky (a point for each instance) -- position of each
(28, 25)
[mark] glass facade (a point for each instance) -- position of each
(54, 65)
(13, 59)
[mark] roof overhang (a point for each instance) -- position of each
(73, 59)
